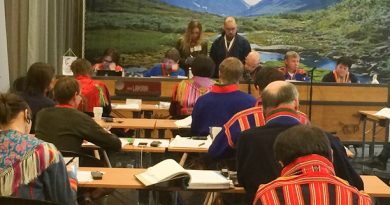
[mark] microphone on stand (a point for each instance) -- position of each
(311, 91)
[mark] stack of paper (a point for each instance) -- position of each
(385, 112)
(184, 123)
(126, 106)
(124, 142)
(179, 141)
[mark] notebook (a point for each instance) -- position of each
(169, 169)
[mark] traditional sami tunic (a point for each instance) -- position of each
(216, 107)
(224, 143)
(310, 180)
(257, 165)
(186, 93)
(161, 70)
(100, 66)
(332, 77)
(299, 74)
(95, 94)
(33, 169)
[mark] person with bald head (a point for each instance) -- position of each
(251, 66)
(229, 44)
(256, 163)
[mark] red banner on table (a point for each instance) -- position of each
(138, 88)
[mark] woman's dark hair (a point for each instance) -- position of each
(345, 61)
(299, 141)
(38, 79)
(266, 76)
(65, 89)
(81, 66)
(113, 53)
(10, 106)
(19, 85)
(203, 66)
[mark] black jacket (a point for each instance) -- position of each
(330, 78)
(256, 163)
(218, 53)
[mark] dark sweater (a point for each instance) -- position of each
(215, 108)
(257, 165)
(66, 128)
(218, 53)
(330, 78)
(36, 103)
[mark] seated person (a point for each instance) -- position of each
(224, 143)
(291, 68)
(280, 105)
(380, 161)
(308, 175)
(223, 101)
(38, 82)
(168, 67)
(67, 127)
(341, 73)
(30, 168)
(188, 91)
(251, 66)
(95, 93)
(109, 61)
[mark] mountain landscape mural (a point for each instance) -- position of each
(320, 30)
(242, 8)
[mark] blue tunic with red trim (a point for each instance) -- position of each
(216, 107)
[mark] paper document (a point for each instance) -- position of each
(164, 142)
(179, 141)
(186, 122)
(207, 179)
(126, 106)
(124, 142)
(84, 176)
(385, 112)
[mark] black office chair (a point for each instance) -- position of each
(20, 201)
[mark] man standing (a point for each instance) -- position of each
(229, 44)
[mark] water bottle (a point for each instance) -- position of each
(190, 75)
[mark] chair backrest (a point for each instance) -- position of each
(20, 201)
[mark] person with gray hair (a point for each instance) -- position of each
(229, 44)
(223, 101)
(256, 163)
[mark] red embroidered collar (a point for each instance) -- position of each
(224, 88)
(64, 106)
(309, 164)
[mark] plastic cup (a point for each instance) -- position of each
(97, 113)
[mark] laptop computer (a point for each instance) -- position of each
(108, 73)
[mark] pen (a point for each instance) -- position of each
(201, 144)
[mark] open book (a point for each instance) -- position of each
(169, 169)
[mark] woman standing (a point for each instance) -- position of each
(191, 44)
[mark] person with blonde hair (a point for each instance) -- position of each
(291, 68)
(223, 101)
(229, 44)
(191, 44)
